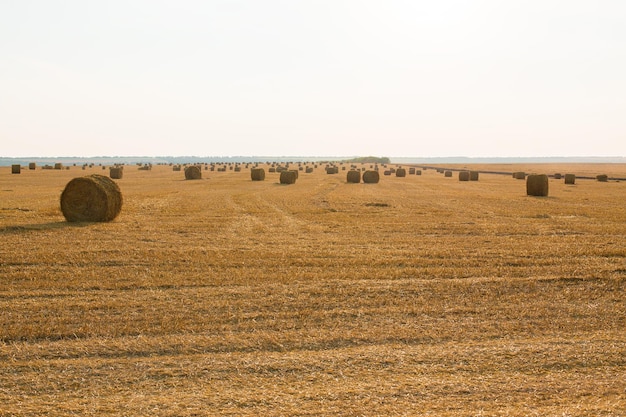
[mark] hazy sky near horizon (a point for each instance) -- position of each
(313, 78)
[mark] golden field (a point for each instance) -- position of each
(420, 295)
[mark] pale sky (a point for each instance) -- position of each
(412, 78)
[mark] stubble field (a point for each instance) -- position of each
(420, 295)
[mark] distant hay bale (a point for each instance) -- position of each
(411, 171)
(473, 175)
(308, 170)
(32, 166)
(537, 185)
(418, 172)
(353, 177)
(464, 175)
(447, 174)
(16, 169)
(371, 177)
(401, 172)
(520, 175)
(295, 171)
(288, 177)
(58, 165)
(570, 178)
(94, 198)
(116, 173)
(387, 172)
(332, 170)
(193, 172)
(272, 169)
(602, 178)
(557, 176)
(257, 174)
(176, 168)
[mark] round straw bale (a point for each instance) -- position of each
(272, 169)
(464, 175)
(94, 198)
(32, 166)
(257, 174)
(602, 178)
(400, 172)
(387, 172)
(418, 172)
(411, 171)
(447, 174)
(354, 177)
(193, 172)
(520, 175)
(371, 177)
(16, 169)
(58, 165)
(308, 170)
(288, 177)
(296, 172)
(473, 176)
(570, 178)
(537, 185)
(557, 176)
(116, 173)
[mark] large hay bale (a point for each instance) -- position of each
(557, 176)
(16, 169)
(464, 175)
(116, 173)
(447, 174)
(371, 177)
(537, 185)
(257, 174)
(411, 171)
(570, 178)
(602, 178)
(32, 166)
(94, 198)
(332, 170)
(193, 172)
(58, 165)
(473, 176)
(353, 177)
(288, 177)
(401, 172)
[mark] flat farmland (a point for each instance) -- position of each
(421, 295)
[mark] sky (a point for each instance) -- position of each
(395, 78)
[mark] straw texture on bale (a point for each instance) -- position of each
(473, 175)
(58, 165)
(354, 177)
(16, 169)
(116, 173)
(447, 174)
(32, 166)
(400, 172)
(371, 177)
(288, 177)
(570, 178)
(94, 198)
(557, 176)
(295, 171)
(464, 175)
(193, 172)
(537, 185)
(602, 178)
(257, 174)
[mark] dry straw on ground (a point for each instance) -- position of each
(537, 185)
(94, 198)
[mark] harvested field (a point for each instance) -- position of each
(413, 296)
